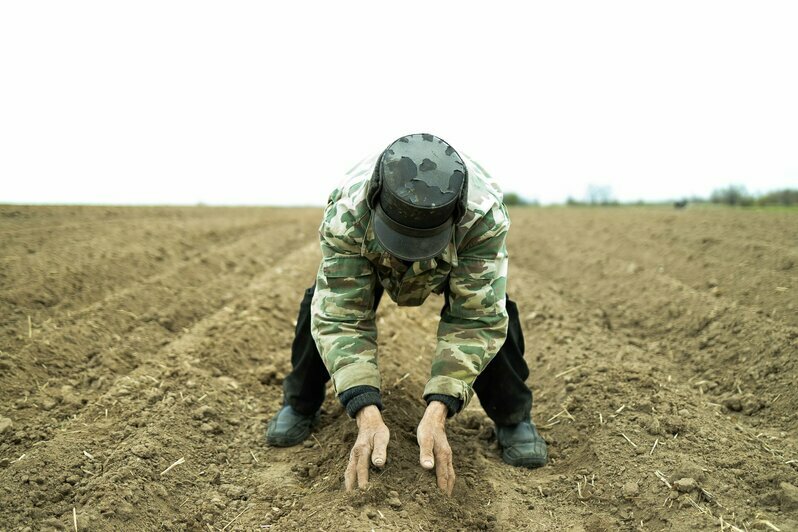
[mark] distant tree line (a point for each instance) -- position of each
(738, 196)
(512, 199)
(595, 195)
(734, 195)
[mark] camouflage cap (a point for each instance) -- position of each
(422, 182)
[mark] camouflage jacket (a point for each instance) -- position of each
(474, 265)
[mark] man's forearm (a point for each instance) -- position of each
(465, 347)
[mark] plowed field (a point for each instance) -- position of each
(142, 351)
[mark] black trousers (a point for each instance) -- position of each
(500, 387)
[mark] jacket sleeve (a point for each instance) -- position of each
(342, 316)
(473, 326)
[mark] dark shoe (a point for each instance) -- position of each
(288, 427)
(521, 445)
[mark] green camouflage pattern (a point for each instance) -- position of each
(474, 265)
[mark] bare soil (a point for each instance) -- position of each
(142, 351)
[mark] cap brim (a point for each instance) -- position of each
(406, 247)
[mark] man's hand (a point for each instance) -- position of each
(371, 444)
(435, 450)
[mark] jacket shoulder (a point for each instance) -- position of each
(486, 212)
(346, 213)
(484, 191)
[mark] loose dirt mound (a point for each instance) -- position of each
(142, 350)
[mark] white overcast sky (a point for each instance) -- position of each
(271, 102)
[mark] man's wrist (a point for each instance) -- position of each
(453, 404)
(367, 413)
(437, 410)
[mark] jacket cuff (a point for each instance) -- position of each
(452, 403)
(443, 385)
(354, 399)
(356, 374)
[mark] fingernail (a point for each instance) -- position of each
(428, 463)
(378, 461)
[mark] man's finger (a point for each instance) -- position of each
(450, 479)
(380, 452)
(425, 455)
(363, 466)
(443, 466)
(442, 474)
(350, 476)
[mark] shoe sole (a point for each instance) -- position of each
(531, 462)
(285, 441)
(277, 441)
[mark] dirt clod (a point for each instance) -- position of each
(142, 450)
(630, 490)
(685, 485)
(788, 496)
(211, 428)
(269, 375)
(5, 425)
